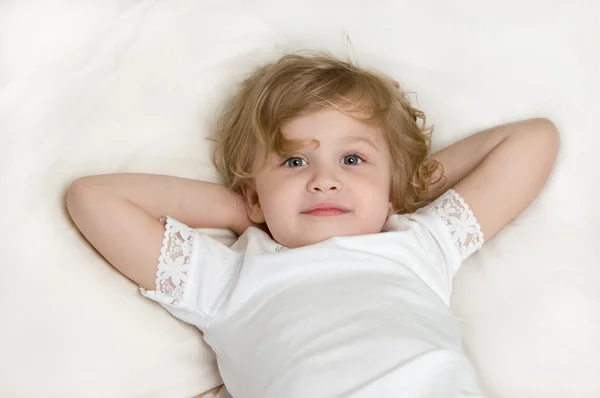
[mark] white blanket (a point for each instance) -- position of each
(135, 86)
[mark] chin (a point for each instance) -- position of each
(328, 233)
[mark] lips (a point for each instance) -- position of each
(326, 210)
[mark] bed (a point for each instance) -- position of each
(135, 86)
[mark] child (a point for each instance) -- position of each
(351, 233)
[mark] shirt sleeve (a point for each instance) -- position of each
(195, 274)
(448, 232)
(449, 225)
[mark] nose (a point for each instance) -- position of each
(324, 180)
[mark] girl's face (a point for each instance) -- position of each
(340, 188)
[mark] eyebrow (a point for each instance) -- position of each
(365, 140)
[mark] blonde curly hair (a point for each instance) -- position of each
(297, 85)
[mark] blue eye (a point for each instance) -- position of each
(294, 162)
(352, 159)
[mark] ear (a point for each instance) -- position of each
(253, 209)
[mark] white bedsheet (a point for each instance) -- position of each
(134, 86)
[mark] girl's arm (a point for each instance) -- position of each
(119, 215)
(500, 171)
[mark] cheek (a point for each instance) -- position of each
(377, 181)
(384, 182)
(374, 192)
(275, 195)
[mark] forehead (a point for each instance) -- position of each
(329, 123)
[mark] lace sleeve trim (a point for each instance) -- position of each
(460, 221)
(175, 259)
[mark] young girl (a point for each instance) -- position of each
(351, 234)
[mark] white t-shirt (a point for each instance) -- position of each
(356, 316)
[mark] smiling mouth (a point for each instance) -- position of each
(326, 211)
